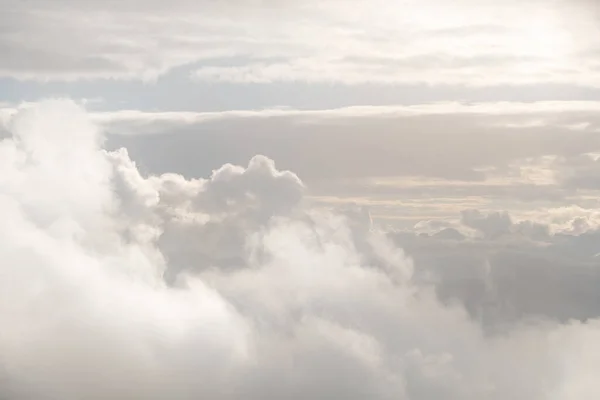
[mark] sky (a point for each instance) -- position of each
(265, 199)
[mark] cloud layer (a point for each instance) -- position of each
(350, 42)
(505, 270)
(116, 285)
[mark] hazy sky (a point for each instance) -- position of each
(268, 199)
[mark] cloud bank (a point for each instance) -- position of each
(464, 42)
(118, 285)
(505, 270)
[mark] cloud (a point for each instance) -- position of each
(579, 172)
(405, 162)
(573, 115)
(491, 225)
(319, 304)
(451, 141)
(347, 42)
(507, 269)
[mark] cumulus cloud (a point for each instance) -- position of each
(118, 285)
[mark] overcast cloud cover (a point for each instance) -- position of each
(308, 200)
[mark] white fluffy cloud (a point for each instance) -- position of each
(313, 305)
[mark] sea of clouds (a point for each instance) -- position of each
(115, 285)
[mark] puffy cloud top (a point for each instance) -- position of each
(118, 285)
